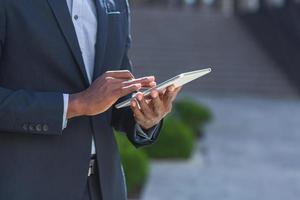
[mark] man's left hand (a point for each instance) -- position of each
(153, 109)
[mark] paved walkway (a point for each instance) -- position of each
(252, 153)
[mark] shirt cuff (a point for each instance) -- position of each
(66, 104)
(145, 134)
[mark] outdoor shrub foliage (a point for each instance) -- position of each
(193, 114)
(135, 163)
(175, 141)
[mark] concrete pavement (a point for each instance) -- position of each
(252, 152)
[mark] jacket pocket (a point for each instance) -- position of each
(112, 7)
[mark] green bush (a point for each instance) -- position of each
(135, 163)
(176, 141)
(193, 114)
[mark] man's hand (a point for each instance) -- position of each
(105, 92)
(152, 110)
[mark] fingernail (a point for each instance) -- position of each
(151, 78)
(153, 84)
(171, 89)
(154, 94)
(139, 85)
(139, 97)
(133, 103)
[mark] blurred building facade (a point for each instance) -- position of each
(167, 42)
(276, 27)
(225, 6)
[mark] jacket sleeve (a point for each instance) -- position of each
(27, 112)
(122, 119)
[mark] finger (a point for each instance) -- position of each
(115, 83)
(157, 104)
(177, 90)
(170, 95)
(161, 95)
(136, 111)
(129, 89)
(120, 74)
(148, 97)
(144, 81)
(145, 108)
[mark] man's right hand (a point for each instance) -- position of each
(105, 92)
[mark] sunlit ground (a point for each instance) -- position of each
(251, 152)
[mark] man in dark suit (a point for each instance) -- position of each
(63, 66)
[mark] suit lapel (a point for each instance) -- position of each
(101, 38)
(61, 12)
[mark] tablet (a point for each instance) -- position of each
(177, 81)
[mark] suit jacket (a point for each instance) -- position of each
(40, 59)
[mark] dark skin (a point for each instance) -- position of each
(153, 109)
(113, 85)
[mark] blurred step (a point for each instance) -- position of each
(168, 42)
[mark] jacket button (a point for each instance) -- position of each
(45, 128)
(31, 127)
(38, 127)
(25, 127)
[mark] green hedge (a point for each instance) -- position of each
(176, 141)
(135, 163)
(193, 114)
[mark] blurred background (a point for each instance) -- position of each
(234, 134)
